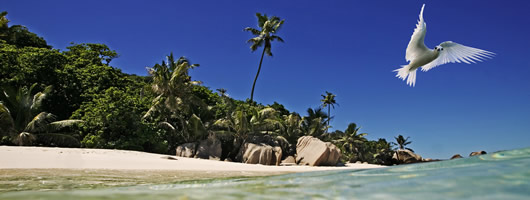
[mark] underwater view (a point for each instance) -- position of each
(501, 175)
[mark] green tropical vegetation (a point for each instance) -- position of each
(22, 119)
(401, 142)
(96, 105)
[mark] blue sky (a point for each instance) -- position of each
(346, 47)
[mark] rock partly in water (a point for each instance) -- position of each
(476, 153)
(186, 150)
(260, 154)
(312, 151)
(456, 156)
(209, 148)
(404, 156)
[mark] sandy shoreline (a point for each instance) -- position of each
(12, 157)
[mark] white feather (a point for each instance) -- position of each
(456, 53)
(416, 44)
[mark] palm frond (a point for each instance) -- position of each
(167, 126)
(222, 122)
(278, 25)
(275, 37)
(253, 31)
(40, 122)
(6, 121)
(58, 125)
(154, 108)
(261, 19)
(196, 127)
(39, 97)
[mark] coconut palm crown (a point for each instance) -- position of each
(402, 142)
(328, 100)
(172, 84)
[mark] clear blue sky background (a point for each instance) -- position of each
(346, 47)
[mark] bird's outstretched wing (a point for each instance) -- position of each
(454, 52)
(416, 45)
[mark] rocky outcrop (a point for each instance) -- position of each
(403, 156)
(209, 148)
(476, 153)
(260, 154)
(456, 156)
(312, 151)
(186, 150)
(290, 160)
(287, 149)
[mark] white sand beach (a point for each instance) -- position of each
(77, 158)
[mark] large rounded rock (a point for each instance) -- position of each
(312, 151)
(288, 161)
(476, 153)
(260, 154)
(287, 149)
(186, 150)
(210, 148)
(403, 156)
(456, 156)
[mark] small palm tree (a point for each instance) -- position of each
(328, 100)
(402, 142)
(352, 141)
(292, 127)
(173, 85)
(222, 92)
(21, 116)
(236, 123)
(264, 37)
(314, 124)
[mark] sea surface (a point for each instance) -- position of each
(501, 175)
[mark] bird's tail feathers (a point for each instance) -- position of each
(404, 72)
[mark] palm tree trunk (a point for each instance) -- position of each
(255, 79)
(329, 114)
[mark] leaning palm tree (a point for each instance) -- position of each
(21, 116)
(264, 37)
(402, 142)
(328, 100)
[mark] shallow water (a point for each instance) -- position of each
(502, 175)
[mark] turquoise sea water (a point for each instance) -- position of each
(502, 175)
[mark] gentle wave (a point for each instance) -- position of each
(501, 175)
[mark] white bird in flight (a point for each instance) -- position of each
(418, 55)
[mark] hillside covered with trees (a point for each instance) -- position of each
(76, 98)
